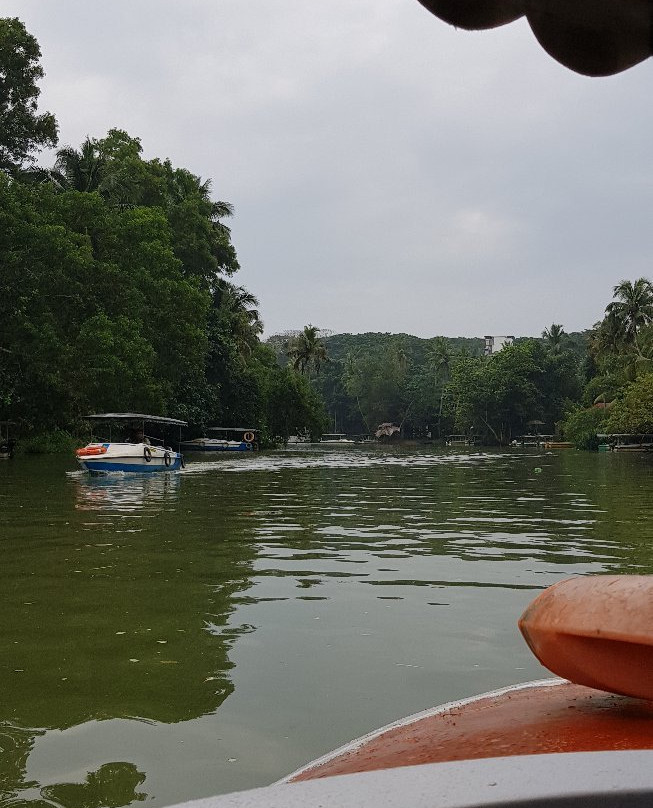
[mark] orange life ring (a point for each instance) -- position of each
(249, 437)
(87, 451)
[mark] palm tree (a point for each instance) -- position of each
(438, 360)
(79, 170)
(554, 337)
(239, 305)
(307, 349)
(631, 311)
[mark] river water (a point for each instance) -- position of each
(173, 636)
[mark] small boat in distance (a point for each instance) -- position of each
(627, 442)
(227, 439)
(138, 452)
(335, 437)
(460, 440)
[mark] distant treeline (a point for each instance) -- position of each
(576, 385)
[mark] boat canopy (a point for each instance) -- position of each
(134, 416)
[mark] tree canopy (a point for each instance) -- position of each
(22, 129)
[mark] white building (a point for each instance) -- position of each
(493, 344)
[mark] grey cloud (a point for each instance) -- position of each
(388, 172)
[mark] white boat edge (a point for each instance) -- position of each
(569, 779)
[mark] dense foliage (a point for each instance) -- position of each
(115, 290)
(432, 387)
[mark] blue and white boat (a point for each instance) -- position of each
(139, 453)
(227, 439)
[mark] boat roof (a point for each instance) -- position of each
(231, 429)
(135, 416)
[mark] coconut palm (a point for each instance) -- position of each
(239, 306)
(79, 170)
(631, 311)
(438, 359)
(554, 338)
(307, 349)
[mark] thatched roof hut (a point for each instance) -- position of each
(387, 432)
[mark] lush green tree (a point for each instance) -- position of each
(632, 412)
(307, 351)
(378, 383)
(497, 396)
(22, 129)
(78, 273)
(293, 406)
(554, 338)
(238, 307)
(631, 311)
(583, 425)
(79, 170)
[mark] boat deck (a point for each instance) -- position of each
(538, 718)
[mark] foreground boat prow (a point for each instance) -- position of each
(596, 631)
(586, 742)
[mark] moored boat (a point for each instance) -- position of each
(335, 437)
(227, 439)
(460, 440)
(625, 442)
(137, 454)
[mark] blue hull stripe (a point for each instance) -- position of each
(107, 465)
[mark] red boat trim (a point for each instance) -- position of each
(547, 716)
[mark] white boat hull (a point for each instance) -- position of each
(101, 458)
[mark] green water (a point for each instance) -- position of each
(179, 635)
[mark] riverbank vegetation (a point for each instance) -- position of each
(576, 386)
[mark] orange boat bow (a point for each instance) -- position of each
(596, 631)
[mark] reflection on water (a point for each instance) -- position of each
(124, 493)
(215, 628)
(113, 785)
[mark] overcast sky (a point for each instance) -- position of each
(388, 172)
